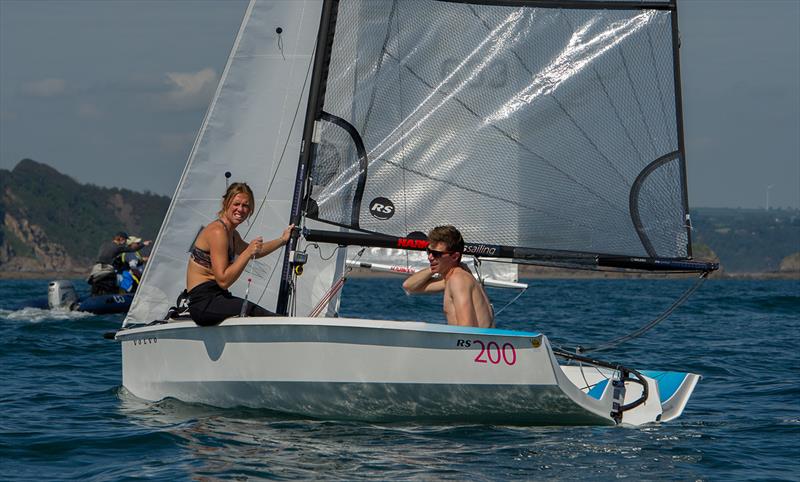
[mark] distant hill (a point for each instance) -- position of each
(749, 240)
(50, 222)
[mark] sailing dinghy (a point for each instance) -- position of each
(548, 132)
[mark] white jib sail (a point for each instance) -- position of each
(252, 129)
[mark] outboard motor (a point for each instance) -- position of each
(61, 294)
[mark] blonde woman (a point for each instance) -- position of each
(218, 257)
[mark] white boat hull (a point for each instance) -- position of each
(365, 370)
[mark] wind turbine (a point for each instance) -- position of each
(768, 189)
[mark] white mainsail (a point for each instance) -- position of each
(253, 129)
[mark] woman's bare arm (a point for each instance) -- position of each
(225, 273)
(270, 246)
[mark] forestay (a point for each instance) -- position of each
(545, 128)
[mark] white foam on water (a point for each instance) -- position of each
(37, 315)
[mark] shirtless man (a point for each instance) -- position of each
(465, 301)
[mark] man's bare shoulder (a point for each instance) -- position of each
(462, 277)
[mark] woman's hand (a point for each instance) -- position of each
(287, 234)
(255, 247)
(259, 248)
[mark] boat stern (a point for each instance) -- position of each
(666, 397)
(674, 391)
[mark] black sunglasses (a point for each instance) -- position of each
(436, 254)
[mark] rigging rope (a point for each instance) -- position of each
(335, 288)
(522, 291)
(648, 326)
(482, 281)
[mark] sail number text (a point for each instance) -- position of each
(491, 352)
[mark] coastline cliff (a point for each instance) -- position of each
(51, 223)
(51, 226)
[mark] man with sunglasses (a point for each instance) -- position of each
(465, 301)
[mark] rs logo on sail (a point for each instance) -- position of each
(381, 208)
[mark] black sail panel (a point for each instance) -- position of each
(521, 124)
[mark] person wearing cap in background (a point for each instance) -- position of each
(135, 259)
(118, 245)
(103, 277)
(130, 264)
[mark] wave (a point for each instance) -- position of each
(38, 315)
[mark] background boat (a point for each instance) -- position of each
(74, 295)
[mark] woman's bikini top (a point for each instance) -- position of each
(203, 258)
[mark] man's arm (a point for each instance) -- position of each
(122, 248)
(131, 248)
(461, 287)
(422, 282)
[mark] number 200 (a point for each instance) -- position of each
(494, 354)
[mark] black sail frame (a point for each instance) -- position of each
(315, 113)
(518, 254)
(362, 163)
(633, 199)
(575, 4)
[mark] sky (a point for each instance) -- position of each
(113, 92)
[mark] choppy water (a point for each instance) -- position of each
(65, 416)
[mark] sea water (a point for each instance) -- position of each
(65, 416)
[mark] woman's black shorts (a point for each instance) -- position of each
(209, 305)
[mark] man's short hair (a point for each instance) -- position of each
(448, 235)
(121, 234)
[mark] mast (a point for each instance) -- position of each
(316, 96)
